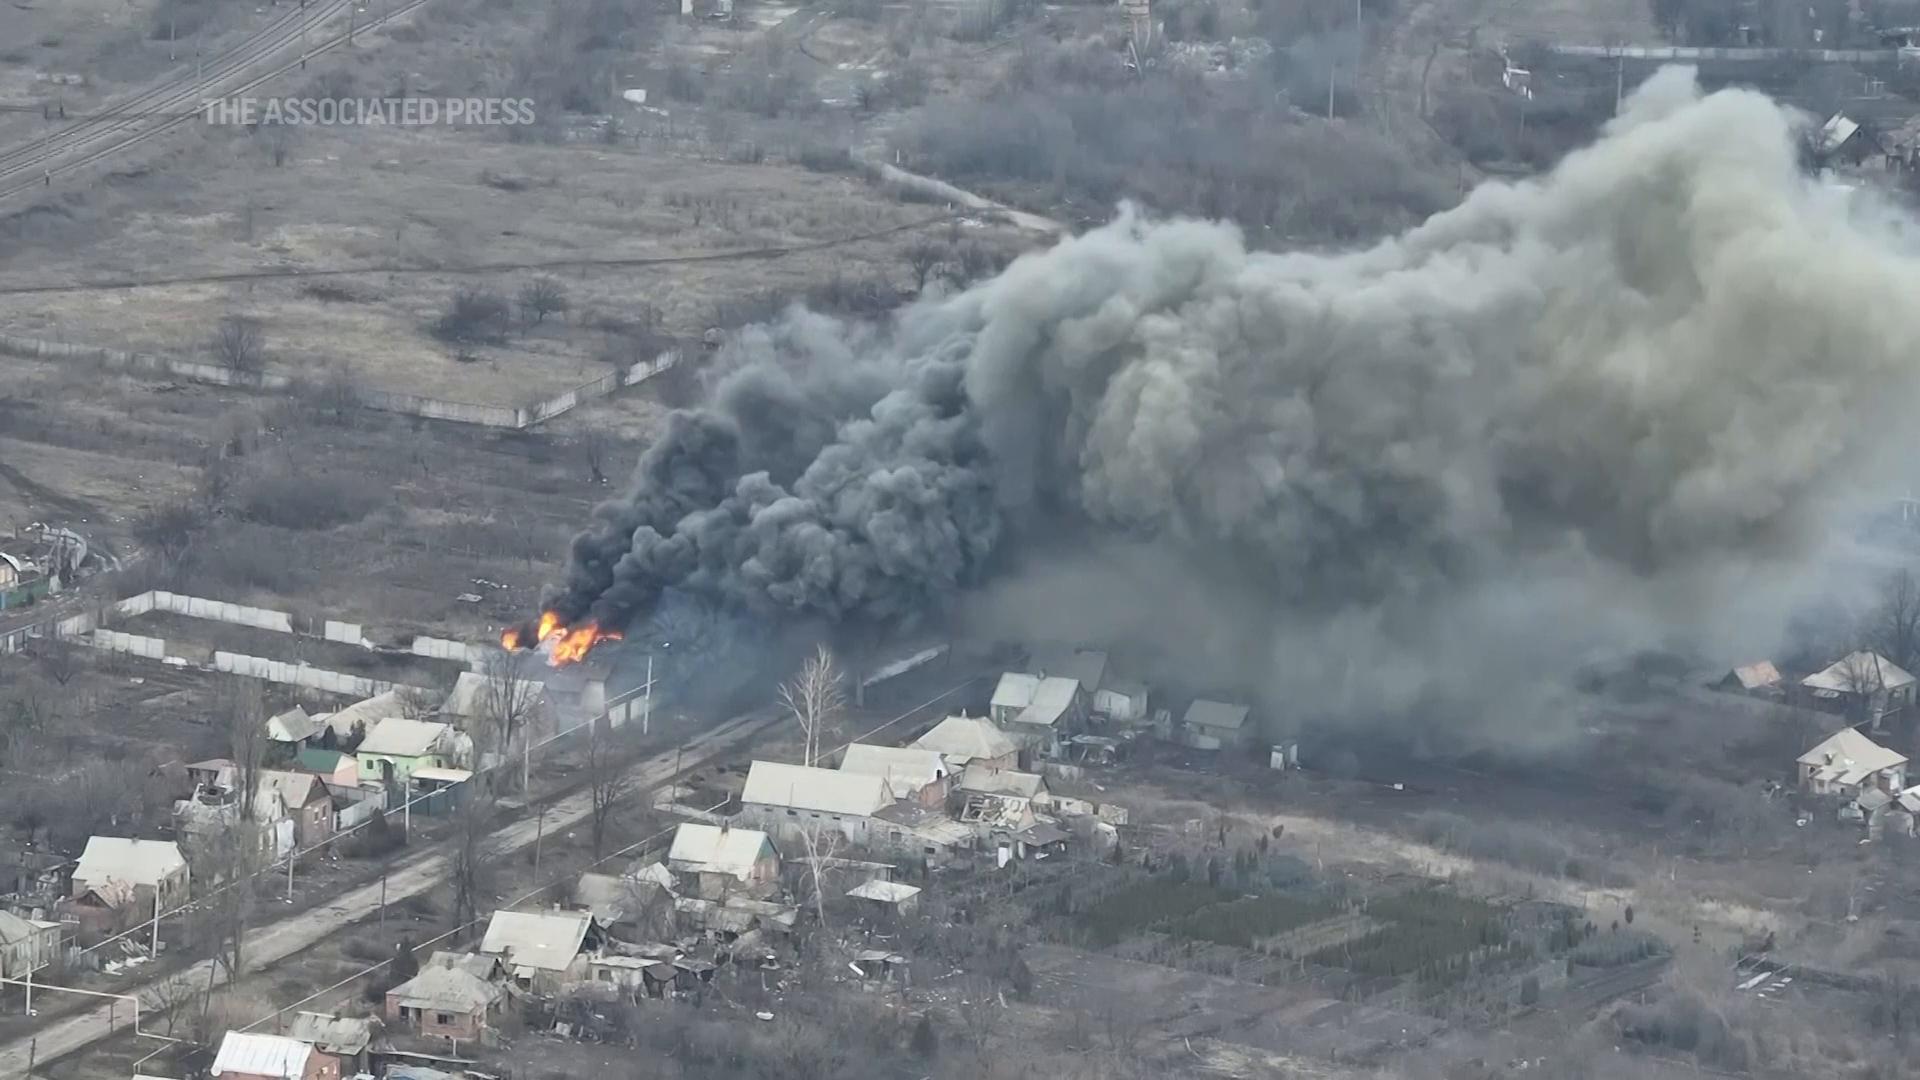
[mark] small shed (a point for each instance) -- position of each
(887, 897)
(1212, 725)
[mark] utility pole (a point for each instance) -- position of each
(154, 951)
(539, 833)
(1619, 81)
(406, 812)
(290, 855)
(646, 711)
(383, 896)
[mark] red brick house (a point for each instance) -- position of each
(307, 802)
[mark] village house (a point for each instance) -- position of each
(970, 740)
(291, 729)
(1847, 763)
(542, 950)
(790, 801)
(358, 720)
(720, 859)
(344, 1039)
(28, 944)
(1012, 694)
(246, 1056)
(305, 799)
(476, 698)
(213, 775)
(118, 881)
(1031, 787)
(1862, 685)
(335, 768)
(1122, 702)
(1088, 667)
(912, 773)
(445, 1000)
(213, 812)
(1214, 725)
(398, 746)
(631, 906)
(1760, 679)
(1054, 710)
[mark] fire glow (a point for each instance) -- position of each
(564, 644)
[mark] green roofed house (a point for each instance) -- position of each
(335, 767)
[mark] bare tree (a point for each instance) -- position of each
(226, 859)
(607, 780)
(174, 999)
(471, 860)
(243, 709)
(816, 699)
(1894, 626)
(238, 344)
(922, 257)
(509, 697)
(59, 658)
(821, 846)
(541, 297)
(594, 446)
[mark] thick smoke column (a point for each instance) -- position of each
(1602, 393)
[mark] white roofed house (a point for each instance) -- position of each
(1760, 679)
(1056, 710)
(1122, 702)
(1213, 725)
(1848, 763)
(249, 1056)
(914, 773)
(971, 740)
(1864, 686)
(796, 801)
(118, 880)
(722, 859)
(542, 950)
(1013, 693)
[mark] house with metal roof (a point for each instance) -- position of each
(1021, 785)
(971, 740)
(720, 859)
(117, 881)
(1211, 725)
(345, 1039)
(1052, 714)
(794, 801)
(248, 1056)
(542, 950)
(398, 746)
(1863, 685)
(913, 773)
(1847, 763)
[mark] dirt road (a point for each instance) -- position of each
(270, 944)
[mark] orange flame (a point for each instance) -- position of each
(572, 645)
(566, 644)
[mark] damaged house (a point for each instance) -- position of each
(719, 860)
(542, 950)
(1040, 713)
(1862, 685)
(446, 1000)
(912, 773)
(1848, 763)
(962, 741)
(119, 881)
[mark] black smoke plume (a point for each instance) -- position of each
(1416, 478)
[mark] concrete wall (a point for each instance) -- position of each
(409, 404)
(197, 607)
(151, 648)
(444, 649)
(348, 632)
(279, 671)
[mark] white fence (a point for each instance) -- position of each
(348, 632)
(197, 607)
(444, 649)
(499, 416)
(152, 648)
(279, 671)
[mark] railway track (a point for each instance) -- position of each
(178, 101)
